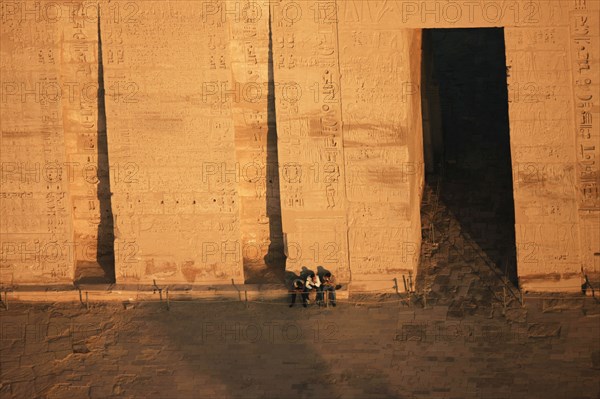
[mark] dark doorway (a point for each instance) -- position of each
(468, 209)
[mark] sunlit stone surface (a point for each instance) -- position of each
(194, 143)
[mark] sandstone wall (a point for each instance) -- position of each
(86, 147)
(551, 48)
(48, 202)
(171, 136)
(383, 149)
(309, 111)
(190, 141)
(256, 166)
(553, 86)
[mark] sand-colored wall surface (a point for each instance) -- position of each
(230, 132)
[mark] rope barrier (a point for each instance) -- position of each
(405, 300)
(389, 290)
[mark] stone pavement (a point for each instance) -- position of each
(366, 347)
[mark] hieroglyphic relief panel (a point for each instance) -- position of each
(584, 19)
(542, 151)
(170, 138)
(383, 147)
(35, 223)
(309, 130)
(553, 191)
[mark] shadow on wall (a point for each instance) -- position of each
(275, 258)
(105, 253)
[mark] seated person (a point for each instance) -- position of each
(328, 284)
(313, 283)
(297, 289)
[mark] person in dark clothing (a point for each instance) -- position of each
(328, 284)
(297, 289)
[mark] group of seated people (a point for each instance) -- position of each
(314, 282)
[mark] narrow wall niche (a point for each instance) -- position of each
(102, 270)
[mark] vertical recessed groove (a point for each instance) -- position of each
(275, 257)
(105, 249)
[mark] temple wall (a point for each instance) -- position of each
(190, 121)
(256, 168)
(310, 139)
(85, 143)
(553, 86)
(47, 118)
(171, 139)
(383, 149)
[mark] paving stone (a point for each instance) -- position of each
(543, 330)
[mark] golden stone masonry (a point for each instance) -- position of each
(208, 142)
